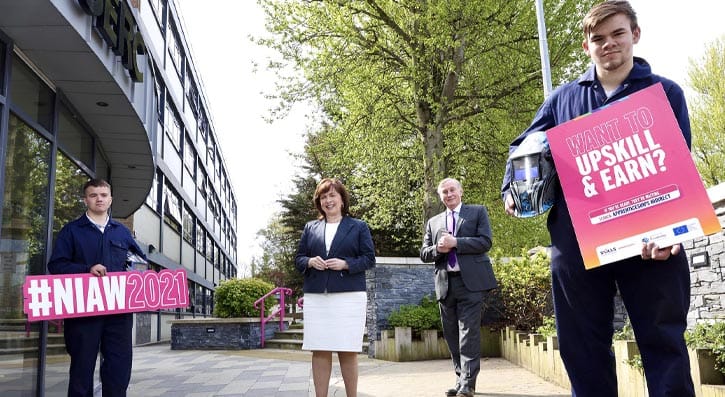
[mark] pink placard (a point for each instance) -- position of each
(628, 178)
(57, 296)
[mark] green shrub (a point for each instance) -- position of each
(418, 317)
(709, 336)
(524, 285)
(626, 333)
(548, 328)
(236, 297)
(635, 362)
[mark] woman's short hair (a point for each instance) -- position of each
(325, 186)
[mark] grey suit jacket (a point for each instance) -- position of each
(473, 233)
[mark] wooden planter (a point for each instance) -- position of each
(630, 380)
(398, 345)
(542, 358)
(708, 381)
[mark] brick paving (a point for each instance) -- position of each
(160, 371)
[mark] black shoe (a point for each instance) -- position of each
(465, 391)
(452, 392)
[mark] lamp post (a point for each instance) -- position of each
(543, 48)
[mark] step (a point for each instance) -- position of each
(285, 344)
(296, 325)
(296, 344)
(20, 340)
(51, 350)
(291, 333)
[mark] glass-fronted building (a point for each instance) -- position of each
(103, 88)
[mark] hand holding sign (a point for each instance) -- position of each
(613, 169)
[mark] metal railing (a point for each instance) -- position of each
(259, 304)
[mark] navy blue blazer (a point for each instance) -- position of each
(352, 243)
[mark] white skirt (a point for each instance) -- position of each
(334, 321)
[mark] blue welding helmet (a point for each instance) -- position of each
(532, 176)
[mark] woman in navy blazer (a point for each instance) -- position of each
(333, 255)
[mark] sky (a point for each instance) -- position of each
(258, 154)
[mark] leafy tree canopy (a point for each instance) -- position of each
(707, 112)
(414, 91)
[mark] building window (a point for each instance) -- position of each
(190, 156)
(3, 48)
(153, 198)
(212, 206)
(188, 226)
(24, 228)
(172, 208)
(175, 52)
(209, 248)
(159, 9)
(102, 167)
(192, 95)
(233, 249)
(225, 191)
(234, 211)
(68, 201)
(201, 182)
(200, 238)
(217, 257)
(210, 154)
(73, 138)
(218, 169)
(202, 135)
(172, 126)
(159, 95)
(31, 95)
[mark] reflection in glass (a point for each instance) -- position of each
(22, 251)
(2, 68)
(101, 166)
(74, 138)
(68, 195)
(31, 94)
(68, 205)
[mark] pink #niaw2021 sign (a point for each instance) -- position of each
(628, 178)
(57, 296)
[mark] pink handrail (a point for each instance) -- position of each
(282, 291)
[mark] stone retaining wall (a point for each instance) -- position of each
(707, 268)
(393, 282)
(220, 333)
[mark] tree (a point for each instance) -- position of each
(282, 235)
(277, 264)
(707, 112)
(414, 91)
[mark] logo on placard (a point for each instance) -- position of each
(608, 251)
(679, 230)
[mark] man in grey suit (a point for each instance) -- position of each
(458, 240)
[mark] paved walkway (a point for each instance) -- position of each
(160, 371)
